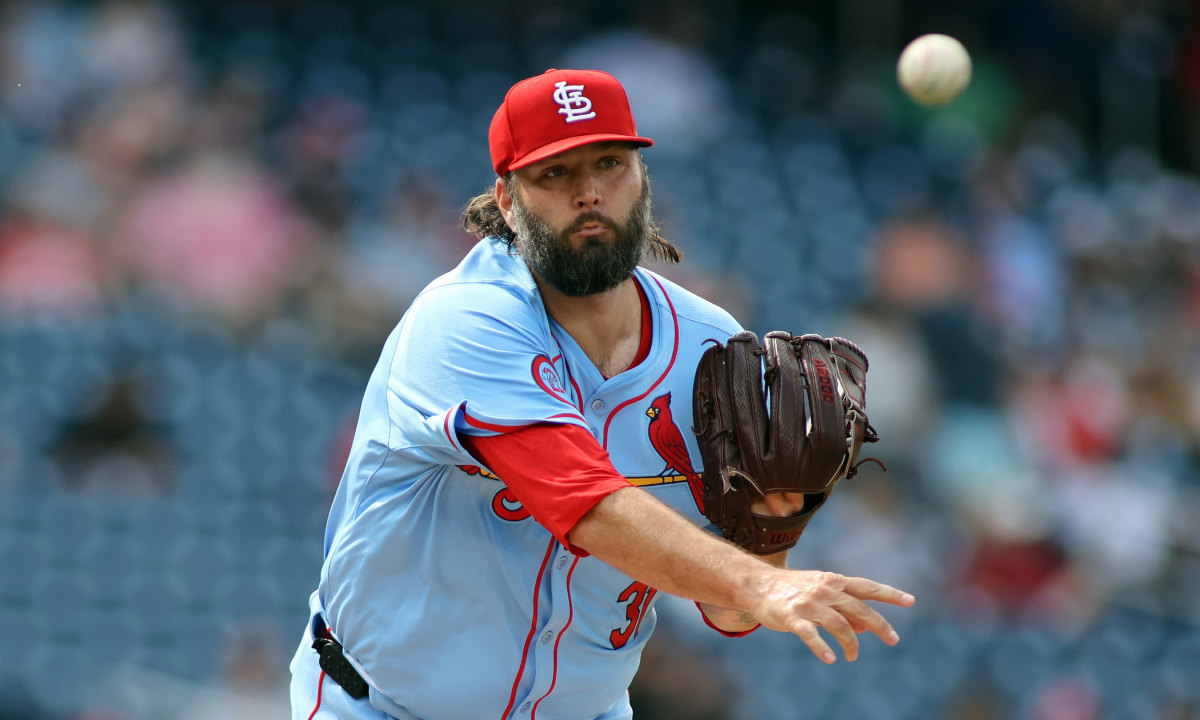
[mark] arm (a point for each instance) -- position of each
(645, 539)
(579, 497)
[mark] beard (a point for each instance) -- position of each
(596, 267)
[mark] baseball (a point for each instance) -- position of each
(934, 69)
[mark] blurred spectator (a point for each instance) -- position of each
(925, 269)
(43, 68)
(674, 89)
(250, 684)
(218, 236)
(252, 681)
(1067, 699)
(132, 43)
(48, 268)
(384, 262)
(904, 391)
(317, 147)
(115, 450)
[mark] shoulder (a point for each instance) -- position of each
(490, 279)
(687, 306)
(488, 302)
(488, 306)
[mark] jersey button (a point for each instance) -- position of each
(525, 707)
(562, 563)
(547, 636)
(597, 405)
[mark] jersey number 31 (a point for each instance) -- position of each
(637, 599)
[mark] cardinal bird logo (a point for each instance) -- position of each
(668, 443)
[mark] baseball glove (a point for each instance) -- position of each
(785, 416)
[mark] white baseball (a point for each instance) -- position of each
(934, 69)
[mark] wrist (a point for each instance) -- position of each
(728, 621)
(776, 559)
(757, 581)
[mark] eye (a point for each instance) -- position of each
(610, 162)
(556, 171)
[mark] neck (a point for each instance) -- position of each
(607, 326)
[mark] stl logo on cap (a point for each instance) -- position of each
(575, 104)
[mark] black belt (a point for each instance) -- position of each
(334, 663)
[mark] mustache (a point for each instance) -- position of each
(592, 216)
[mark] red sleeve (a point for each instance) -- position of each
(558, 472)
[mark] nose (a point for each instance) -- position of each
(587, 190)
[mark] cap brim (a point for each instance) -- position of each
(571, 143)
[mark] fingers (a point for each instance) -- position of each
(858, 626)
(842, 612)
(840, 628)
(844, 631)
(864, 618)
(779, 504)
(807, 632)
(865, 589)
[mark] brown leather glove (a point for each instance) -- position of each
(788, 415)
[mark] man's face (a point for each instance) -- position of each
(582, 218)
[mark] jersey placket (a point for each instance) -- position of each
(544, 651)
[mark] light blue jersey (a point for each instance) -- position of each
(449, 598)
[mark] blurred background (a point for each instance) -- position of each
(211, 214)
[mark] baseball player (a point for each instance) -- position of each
(523, 478)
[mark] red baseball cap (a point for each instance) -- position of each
(557, 111)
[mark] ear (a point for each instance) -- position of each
(504, 200)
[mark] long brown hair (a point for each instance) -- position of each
(482, 218)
